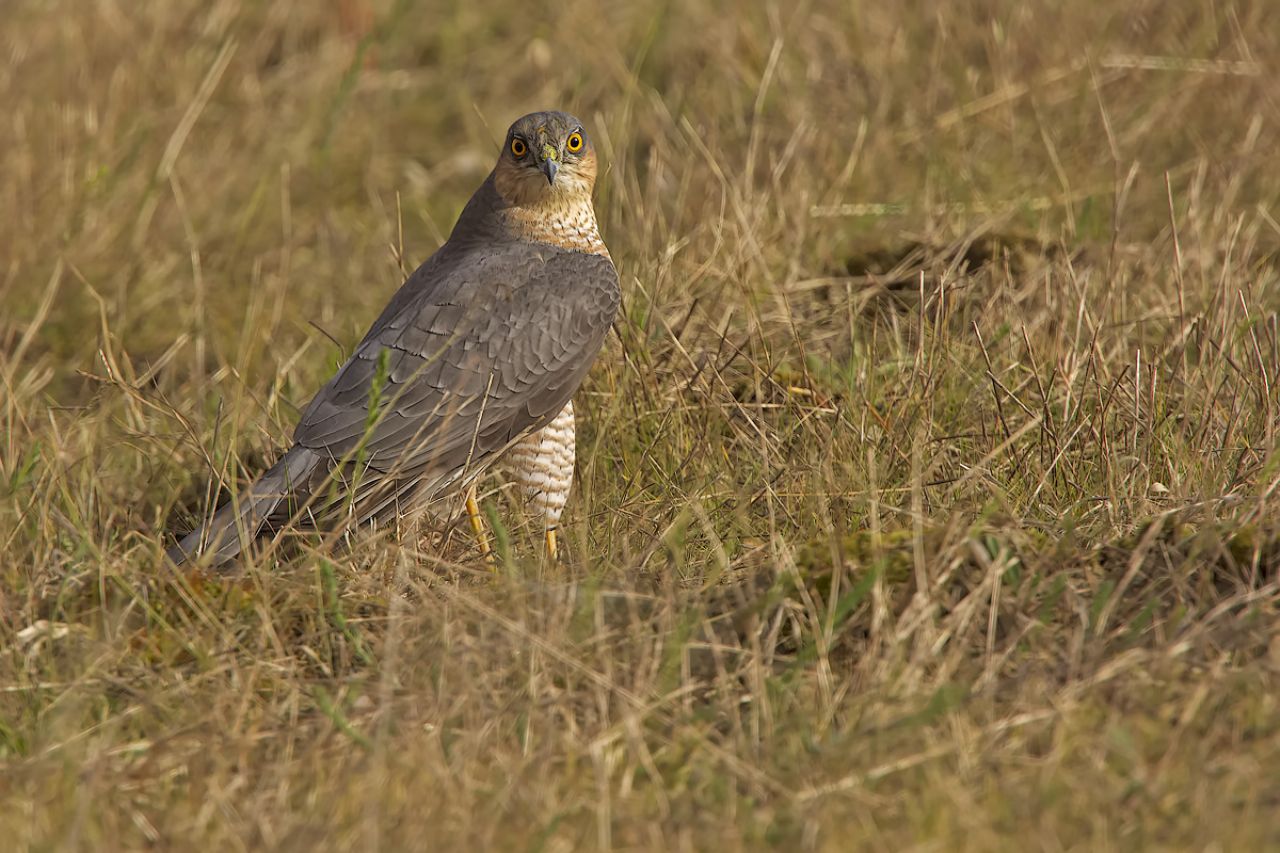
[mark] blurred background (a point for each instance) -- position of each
(198, 163)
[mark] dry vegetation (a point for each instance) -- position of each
(929, 488)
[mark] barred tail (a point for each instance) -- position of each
(238, 522)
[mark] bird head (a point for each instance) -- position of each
(546, 157)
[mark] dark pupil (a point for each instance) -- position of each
(575, 141)
(517, 147)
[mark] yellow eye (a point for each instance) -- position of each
(574, 142)
(518, 147)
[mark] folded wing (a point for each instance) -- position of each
(490, 348)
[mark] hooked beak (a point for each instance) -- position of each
(549, 168)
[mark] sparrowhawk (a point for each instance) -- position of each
(476, 358)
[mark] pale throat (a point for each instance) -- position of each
(562, 219)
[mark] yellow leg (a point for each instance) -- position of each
(477, 524)
(552, 553)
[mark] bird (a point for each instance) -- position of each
(475, 360)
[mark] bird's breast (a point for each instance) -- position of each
(569, 225)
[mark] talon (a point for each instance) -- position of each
(477, 525)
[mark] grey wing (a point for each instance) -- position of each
(493, 349)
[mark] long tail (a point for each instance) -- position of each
(238, 522)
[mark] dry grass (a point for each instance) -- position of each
(928, 493)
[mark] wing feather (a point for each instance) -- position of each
(481, 352)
